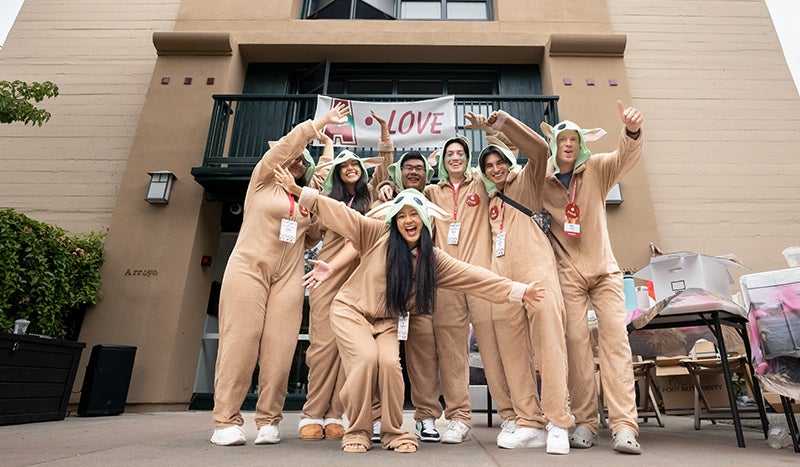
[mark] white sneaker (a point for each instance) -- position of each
(557, 440)
(582, 438)
(508, 425)
(457, 432)
(522, 437)
(231, 436)
(376, 431)
(268, 434)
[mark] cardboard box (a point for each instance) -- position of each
(674, 272)
(774, 400)
(676, 386)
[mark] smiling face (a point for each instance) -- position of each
(495, 168)
(350, 173)
(413, 173)
(568, 143)
(454, 159)
(297, 167)
(410, 225)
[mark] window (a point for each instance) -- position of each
(445, 9)
(402, 9)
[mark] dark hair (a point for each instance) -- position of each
(486, 153)
(400, 278)
(361, 200)
(410, 155)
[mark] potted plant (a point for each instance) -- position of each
(49, 278)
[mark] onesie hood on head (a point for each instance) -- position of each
(415, 199)
(395, 169)
(443, 174)
(583, 135)
(309, 173)
(341, 158)
(496, 146)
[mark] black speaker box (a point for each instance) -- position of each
(108, 376)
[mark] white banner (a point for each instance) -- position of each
(416, 124)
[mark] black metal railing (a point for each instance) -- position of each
(243, 124)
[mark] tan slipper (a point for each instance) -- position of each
(334, 431)
(354, 447)
(311, 432)
(406, 448)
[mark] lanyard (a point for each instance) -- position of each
(502, 214)
(455, 200)
(291, 205)
(350, 203)
(574, 190)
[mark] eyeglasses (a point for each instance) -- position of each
(413, 168)
(300, 160)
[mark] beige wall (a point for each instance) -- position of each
(100, 54)
(722, 118)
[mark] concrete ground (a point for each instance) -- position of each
(181, 439)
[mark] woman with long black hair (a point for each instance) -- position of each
(399, 273)
(348, 182)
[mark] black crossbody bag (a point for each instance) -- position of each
(541, 218)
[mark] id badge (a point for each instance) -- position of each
(288, 231)
(452, 234)
(402, 328)
(572, 230)
(500, 244)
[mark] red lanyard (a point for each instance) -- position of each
(455, 200)
(350, 203)
(502, 214)
(574, 189)
(291, 205)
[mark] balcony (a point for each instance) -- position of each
(243, 124)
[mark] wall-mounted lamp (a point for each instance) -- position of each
(160, 186)
(614, 196)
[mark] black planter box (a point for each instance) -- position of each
(36, 377)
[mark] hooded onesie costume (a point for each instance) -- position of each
(528, 256)
(588, 269)
(366, 335)
(261, 300)
(325, 375)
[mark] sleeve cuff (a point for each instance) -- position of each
(517, 292)
(307, 197)
(384, 146)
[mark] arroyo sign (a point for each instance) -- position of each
(415, 124)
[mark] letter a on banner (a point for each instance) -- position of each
(414, 124)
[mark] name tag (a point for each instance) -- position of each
(288, 231)
(402, 328)
(572, 230)
(500, 244)
(452, 234)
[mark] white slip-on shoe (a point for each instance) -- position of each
(268, 434)
(582, 438)
(457, 432)
(557, 440)
(230, 436)
(625, 442)
(522, 437)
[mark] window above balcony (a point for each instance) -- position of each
(475, 10)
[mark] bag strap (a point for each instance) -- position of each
(510, 201)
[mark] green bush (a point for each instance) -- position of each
(46, 275)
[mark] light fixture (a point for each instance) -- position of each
(160, 186)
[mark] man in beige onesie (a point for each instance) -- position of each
(574, 193)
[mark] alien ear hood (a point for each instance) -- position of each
(416, 200)
(343, 157)
(496, 146)
(443, 174)
(552, 133)
(394, 169)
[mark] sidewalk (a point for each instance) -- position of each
(181, 439)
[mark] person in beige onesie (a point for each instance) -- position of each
(574, 193)
(349, 182)
(399, 274)
(261, 300)
(522, 251)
